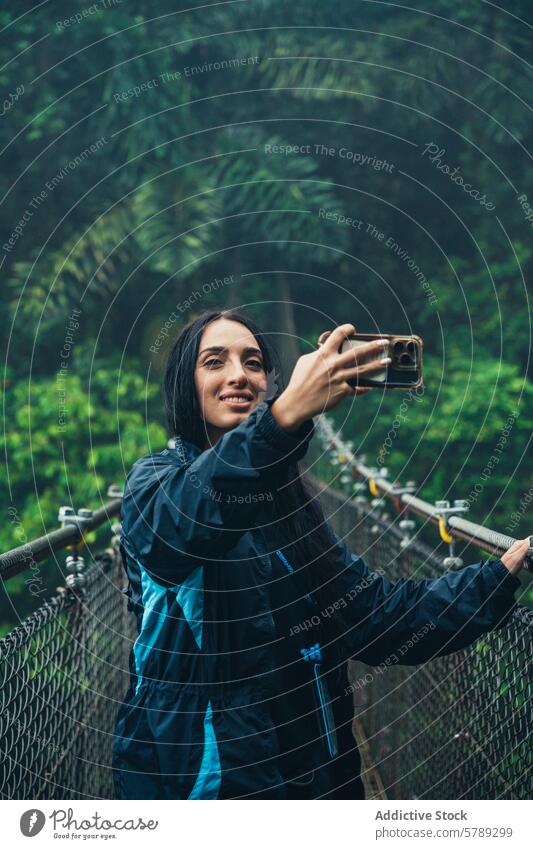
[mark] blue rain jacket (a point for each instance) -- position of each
(234, 676)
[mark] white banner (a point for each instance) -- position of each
(259, 825)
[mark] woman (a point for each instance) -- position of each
(234, 574)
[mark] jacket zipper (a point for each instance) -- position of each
(327, 719)
(319, 684)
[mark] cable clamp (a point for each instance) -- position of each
(444, 511)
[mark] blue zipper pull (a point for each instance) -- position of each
(313, 653)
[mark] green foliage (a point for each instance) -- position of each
(448, 434)
(103, 432)
(182, 191)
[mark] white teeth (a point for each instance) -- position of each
(236, 398)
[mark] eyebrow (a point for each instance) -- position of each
(218, 349)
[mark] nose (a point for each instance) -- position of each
(237, 375)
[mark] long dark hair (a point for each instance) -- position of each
(300, 520)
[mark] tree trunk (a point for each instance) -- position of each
(288, 345)
(235, 291)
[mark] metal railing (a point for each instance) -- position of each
(74, 526)
(63, 670)
(448, 518)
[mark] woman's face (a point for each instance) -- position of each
(229, 376)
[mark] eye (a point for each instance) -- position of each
(255, 363)
(210, 363)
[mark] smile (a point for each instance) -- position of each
(236, 400)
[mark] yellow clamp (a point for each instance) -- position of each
(77, 546)
(445, 536)
(373, 488)
(342, 458)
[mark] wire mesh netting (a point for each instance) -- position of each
(61, 682)
(457, 727)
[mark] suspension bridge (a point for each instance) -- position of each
(456, 727)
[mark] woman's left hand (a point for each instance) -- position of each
(514, 558)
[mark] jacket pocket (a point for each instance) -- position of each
(248, 747)
(134, 760)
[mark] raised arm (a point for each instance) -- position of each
(176, 511)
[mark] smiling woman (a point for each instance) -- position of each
(227, 551)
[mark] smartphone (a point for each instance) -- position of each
(405, 368)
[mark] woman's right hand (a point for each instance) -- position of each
(319, 380)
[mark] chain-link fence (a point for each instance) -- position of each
(62, 677)
(457, 727)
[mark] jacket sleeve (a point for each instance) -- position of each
(178, 513)
(407, 621)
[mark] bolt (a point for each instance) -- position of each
(75, 563)
(461, 504)
(65, 512)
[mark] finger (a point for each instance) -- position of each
(363, 352)
(367, 368)
(323, 336)
(358, 390)
(337, 337)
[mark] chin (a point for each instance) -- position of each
(240, 415)
(228, 421)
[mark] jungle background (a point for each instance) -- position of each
(160, 160)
